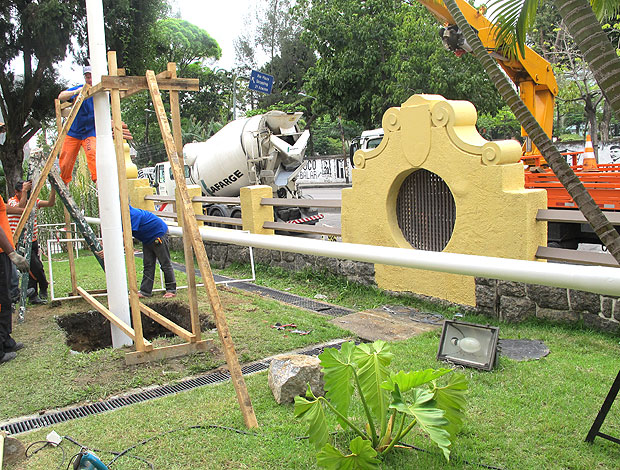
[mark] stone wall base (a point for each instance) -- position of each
(516, 301)
(223, 255)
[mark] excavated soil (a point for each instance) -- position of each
(90, 331)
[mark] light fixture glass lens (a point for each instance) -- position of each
(469, 345)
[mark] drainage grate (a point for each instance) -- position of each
(292, 299)
(295, 300)
(215, 377)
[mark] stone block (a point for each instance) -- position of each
(617, 311)
(487, 312)
(512, 289)
(262, 255)
(585, 301)
(607, 307)
(516, 309)
(564, 316)
(597, 322)
(483, 281)
(331, 264)
(548, 297)
(300, 263)
(311, 261)
(485, 297)
(290, 374)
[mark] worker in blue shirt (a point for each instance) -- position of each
(153, 233)
(81, 134)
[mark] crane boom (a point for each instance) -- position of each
(531, 73)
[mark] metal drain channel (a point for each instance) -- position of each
(115, 403)
(295, 300)
(292, 299)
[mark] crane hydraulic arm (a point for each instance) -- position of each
(531, 73)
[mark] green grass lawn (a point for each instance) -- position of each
(521, 415)
(46, 374)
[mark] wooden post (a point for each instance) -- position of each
(187, 244)
(68, 233)
(191, 231)
(134, 302)
(34, 194)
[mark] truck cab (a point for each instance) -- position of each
(164, 179)
(368, 140)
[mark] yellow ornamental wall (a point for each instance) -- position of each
(495, 215)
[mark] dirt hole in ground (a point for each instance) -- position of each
(90, 331)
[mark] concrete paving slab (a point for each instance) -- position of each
(387, 324)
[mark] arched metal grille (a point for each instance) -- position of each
(426, 211)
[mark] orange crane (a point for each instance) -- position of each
(538, 88)
(532, 74)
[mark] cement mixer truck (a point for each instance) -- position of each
(266, 149)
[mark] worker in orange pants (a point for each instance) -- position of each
(69, 153)
(81, 133)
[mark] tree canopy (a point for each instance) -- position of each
(375, 54)
(37, 35)
(182, 42)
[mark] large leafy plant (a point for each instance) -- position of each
(393, 404)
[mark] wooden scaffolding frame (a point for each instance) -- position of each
(121, 86)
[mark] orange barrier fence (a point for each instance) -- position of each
(603, 185)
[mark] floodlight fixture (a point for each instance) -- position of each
(468, 344)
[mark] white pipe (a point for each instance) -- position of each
(107, 180)
(598, 279)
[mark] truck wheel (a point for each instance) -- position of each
(218, 210)
(236, 214)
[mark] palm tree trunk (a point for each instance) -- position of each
(602, 227)
(595, 46)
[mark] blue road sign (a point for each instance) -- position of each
(261, 82)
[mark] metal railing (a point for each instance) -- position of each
(237, 222)
(567, 255)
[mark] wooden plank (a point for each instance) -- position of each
(170, 215)
(34, 193)
(156, 197)
(204, 199)
(134, 302)
(217, 200)
(97, 291)
(133, 91)
(290, 202)
(187, 245)
(70, 252)
(220, 220)
(572, 216)
(303, 228)
(191, 231)
(109, 82)
(167, 352)
(72, 274)
(576, 257)
(94, 90)
(124, 327)
(168, 324)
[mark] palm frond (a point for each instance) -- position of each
(513, 19)
(605, 9)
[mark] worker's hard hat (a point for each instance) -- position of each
(589, 160)
(86, 69)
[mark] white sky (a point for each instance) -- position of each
(222, 19)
